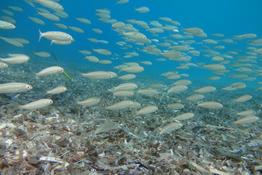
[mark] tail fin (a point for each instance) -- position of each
(40, 35)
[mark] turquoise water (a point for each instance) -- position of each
(192, 101)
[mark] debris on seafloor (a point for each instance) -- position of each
(34, 144)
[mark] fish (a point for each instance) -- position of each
(184, 116)
(89, 101)
(103, 51)
(16, 59)
(243, 98)
(8, 12)
(177, 89)
(171, 75)
(76, 29)
(14, 87)
(9, 19)
(195, 31)
(136, 37)
(210, 105)
(131, 68)
(93, 59)
(97, 31)
(235, 86)
(61, 26)
(94, 40)
(124, 87)
(245, 36)
(147, 110)
(127, 77)
(38, 104)
(56, 36)
(147, 62)
(122, 105)
(175, 106)
(42, 54)
(195, 97)
(12, 41)
(3, 65)
(122, 1)
(57, 90)
(149, 92)
(123, 93)
(36, 20)
(49, 16)
(83, 20)
(85, 52)
(50, 71)
(246, 113)
(6, 25)
(61, 42)
(107, 126)
(215, 67)
(61, 14)
(246, 120)
(22, 40)
(169, 128)
(16, 8)
(206, 89)
(142, 9)
(105, 62)
(51, 4)
(100, 75)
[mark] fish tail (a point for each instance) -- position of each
(40, 35)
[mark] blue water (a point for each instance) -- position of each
(230, 17)
(207, 132)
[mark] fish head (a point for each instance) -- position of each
(69, 38)
(61, 70)
(12, 26)
(3, 65)
(50, 101)
(113, 75)
(72, 39)
(29, 87)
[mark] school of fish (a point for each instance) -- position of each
(188, 49)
